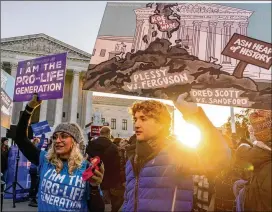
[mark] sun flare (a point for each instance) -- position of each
(187, 134)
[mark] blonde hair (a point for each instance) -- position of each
(74, 161)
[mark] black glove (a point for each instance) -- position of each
(34, 102)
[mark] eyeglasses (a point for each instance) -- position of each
(60, 135)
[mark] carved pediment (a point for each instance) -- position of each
(42, 44)
(206, 8)
(198, 9)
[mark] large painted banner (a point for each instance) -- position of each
(43, 75)
(216, 53)
(7, 88)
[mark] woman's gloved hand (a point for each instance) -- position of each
(34, 102)
(97, 178)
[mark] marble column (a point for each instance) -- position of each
(16, 105)
(89, 102)
(181, 29)
(74, 99)
(164, 35)
(14, 67)
(24, 105)
(213, 43)
(226, 37)
(58, 112)
(138, 38)
(211, 40)
(134, 44)
(196, 36)
(243, 28)
(149, 33)
(186, 39)
(43, 111)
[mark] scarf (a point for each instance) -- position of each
(140, 152)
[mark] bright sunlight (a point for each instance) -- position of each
(187, 134)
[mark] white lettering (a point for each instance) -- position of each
(71, 179)
(58, 64)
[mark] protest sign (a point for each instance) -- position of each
(43, 75)
(225, 97)
(95, 130)
(248, 50)
(40, 128)
(163, 50)
(7, 87)
(23, 177)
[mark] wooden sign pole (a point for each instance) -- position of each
(239, 69)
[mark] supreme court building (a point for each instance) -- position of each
(77, 105)
(73, 106)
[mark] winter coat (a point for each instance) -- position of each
(4, 158)
(108, 153)
(258, 191)
(158, 187)
(164, 182)
(123, 160)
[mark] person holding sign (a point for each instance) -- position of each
(61, 185)
(159, 170)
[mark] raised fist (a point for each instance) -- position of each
(185, 107)
(34, 102)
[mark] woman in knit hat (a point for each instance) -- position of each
(256, 194)
(61, 186)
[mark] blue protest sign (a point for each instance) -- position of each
(23, 177)
(40, 128)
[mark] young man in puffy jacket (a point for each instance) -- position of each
(159, 170)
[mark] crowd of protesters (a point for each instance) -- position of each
(151, 170)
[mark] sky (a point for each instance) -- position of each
(78, 22)
(116, 17)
